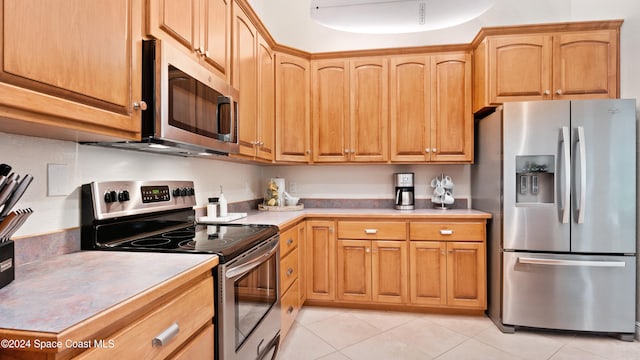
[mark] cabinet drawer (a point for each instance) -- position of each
(288, 270)
(201, 347)
(191, 310)
(288, 241)
(290, 305)
(447, 231)
(372, 230)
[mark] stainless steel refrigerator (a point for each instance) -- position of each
(560, 180)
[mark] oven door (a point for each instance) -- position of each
(249, 305)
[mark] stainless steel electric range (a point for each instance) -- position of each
(158, 216)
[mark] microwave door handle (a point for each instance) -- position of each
(249, 264)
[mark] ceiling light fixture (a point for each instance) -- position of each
(395, 16)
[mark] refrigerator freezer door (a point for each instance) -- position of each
(570, 292)
(603, 176)
(538, 129)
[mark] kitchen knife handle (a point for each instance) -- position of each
(17, 194)
(583, 176)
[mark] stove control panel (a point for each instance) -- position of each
(110, 199)
(155, 193)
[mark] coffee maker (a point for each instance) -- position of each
(404, 191)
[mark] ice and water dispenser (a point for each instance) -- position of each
(535, 179)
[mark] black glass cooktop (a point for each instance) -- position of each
(226, 240)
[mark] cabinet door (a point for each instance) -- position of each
(520, 68)
(369, 115)
(428, 269)
(215, 36)
(466, 274)
(245, 38)
(451, 117)
(321, 260)
(389, 271)
(585, 65)
(330, 115)
(176, 20)
(74, 67)
(267, 102)
(410, 108)
(292, 109)
(354, 270)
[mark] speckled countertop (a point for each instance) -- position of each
(53, 295)
(285, 218)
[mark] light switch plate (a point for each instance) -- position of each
(58, 180)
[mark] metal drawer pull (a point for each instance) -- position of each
(289, 272)
(166, 335)
(290, 241)
(534, 261)
(446, 232)
(370, 231)
(290, 310)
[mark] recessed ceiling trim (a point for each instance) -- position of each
(395, 16)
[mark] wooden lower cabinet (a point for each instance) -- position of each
(372, 271)
(201, 347)
(410, 264)
(320, 260)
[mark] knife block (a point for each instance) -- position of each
(7, 261)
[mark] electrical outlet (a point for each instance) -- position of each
(293, 187)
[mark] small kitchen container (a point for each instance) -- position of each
(7, 261)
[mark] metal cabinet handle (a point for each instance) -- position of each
(547, 92)
(446, 232)
(290, 241)
(290, 310)
(434, 150)
(559, 92)
(427, 150)
(140, 105)
(168, 334)
(346, 151)
(367, 250)
(370, 231)
(289, 272)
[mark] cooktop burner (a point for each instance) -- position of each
(226, 240)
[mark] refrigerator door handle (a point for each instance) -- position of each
(555, 262)
(583, 176)
(564, 167)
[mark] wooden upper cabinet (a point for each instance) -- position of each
(431, 117)
(369, 101)
(201, 26)
(215, 38)
(330, 110)
(552, 65)
(451, 117)
(244, 78)
(350, 110)
(293, 128)
(585, 65)
(410, 108)
(265, 146)
(73, 71)
(520, 67)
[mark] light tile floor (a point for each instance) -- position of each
(348, 334)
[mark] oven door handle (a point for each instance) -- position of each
(249, 264)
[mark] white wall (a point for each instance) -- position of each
(30, 155)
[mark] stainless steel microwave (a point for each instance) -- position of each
(188, 107)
